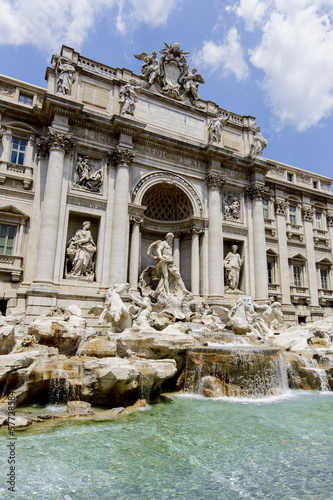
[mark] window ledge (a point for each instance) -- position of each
(13, 265)
(18, 172)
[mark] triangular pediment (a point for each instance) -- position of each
(298, 257)
(326, 261)
(272, 252)
(12, 211)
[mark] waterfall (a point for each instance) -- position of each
(61, 389)
(237, 371)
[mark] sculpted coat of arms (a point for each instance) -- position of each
(171, 75)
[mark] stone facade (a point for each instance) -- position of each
(139, 156)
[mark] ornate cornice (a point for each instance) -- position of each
(307, 214)
(215, 181)
(122, 157)
(281, 207)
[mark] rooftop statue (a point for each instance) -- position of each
(215, 127)
(65, 74)
(258, 143)
(128, 97)
(171, 75)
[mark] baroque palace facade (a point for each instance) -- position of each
(103, 162)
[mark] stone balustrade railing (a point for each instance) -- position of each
(18, 172)
(94, 67)
(13, 265)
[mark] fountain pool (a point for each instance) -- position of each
(189, 448)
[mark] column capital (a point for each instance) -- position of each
(136, 219)
(307, 214)
(255, 191)
(281, 207)
(58, 140)
(329, 219)
(215, 181)
(122, 157)
(197, 230)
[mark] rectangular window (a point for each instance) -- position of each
(324, 278)
(290, 177)
(265, 208)
(315, 184)
(270, 272)
(18, 151)
(297, 275)
(318, 220)
(25, 99)
(7, 239)
(292, 215)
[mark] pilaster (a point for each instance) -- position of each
(307, 216)
(281, 208)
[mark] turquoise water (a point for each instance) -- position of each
(190, 448)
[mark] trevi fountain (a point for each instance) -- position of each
(243, 399)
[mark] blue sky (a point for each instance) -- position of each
(272, 59)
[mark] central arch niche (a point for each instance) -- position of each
(167, 202)
(168, 209)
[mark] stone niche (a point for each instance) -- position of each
(227, 247)
(75, 224)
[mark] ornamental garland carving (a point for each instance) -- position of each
(231, 206)
(215, 181)
(307, 214)
(122, 157)
(171, 75)
(281, 207)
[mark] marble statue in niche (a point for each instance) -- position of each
(65, 74)
(232, 266)
(231, 206)
(80, 250)
(128, 97)
(215, 127)
(87, 179)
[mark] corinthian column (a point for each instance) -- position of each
(195, 261)
(281, 210)
(57, 144)
(307, 215)
(255, 193)
(215, 183)
(119, 239)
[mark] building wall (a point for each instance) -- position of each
(274, 213)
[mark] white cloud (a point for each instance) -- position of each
(49, 23)
(252, 11)
(228, 56)
(295, 53)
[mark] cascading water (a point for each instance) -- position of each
(61, 388)
(235, 372)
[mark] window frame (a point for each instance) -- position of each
(7, 237)
(18, 159)
(292, 214)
